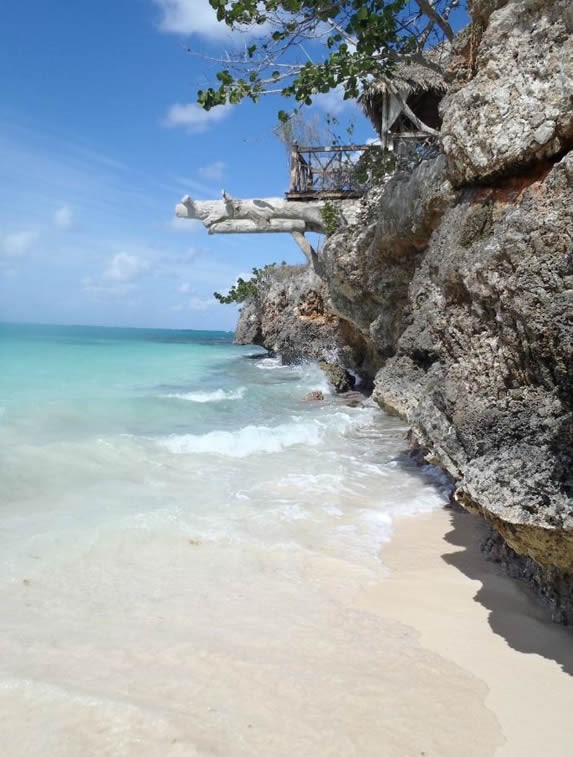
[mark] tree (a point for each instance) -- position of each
(247, 289)
(314, 46)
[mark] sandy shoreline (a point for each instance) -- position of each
(466, 611)
(235, 650)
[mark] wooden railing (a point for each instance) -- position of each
(327, 171)
(338, 171)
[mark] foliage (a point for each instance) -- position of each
(373, 166)
(246, 289)
(331, 218)
(314, 46)
(242, 290)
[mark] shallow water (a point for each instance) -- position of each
(181, 539)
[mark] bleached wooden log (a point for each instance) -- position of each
(246, 226)
(272, 215)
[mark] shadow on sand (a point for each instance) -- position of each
(514, 612)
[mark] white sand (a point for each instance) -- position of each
(466, 611)
(162, 646)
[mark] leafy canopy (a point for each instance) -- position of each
(313, 46)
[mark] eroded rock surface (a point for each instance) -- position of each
(456, 285)
(368, 267)
(484, 369)
(467, 295)
(291, 317)
(518, 107)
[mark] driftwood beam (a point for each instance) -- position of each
(333, 148)
(245, 226)
(271, 214)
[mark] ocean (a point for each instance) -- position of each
(181, 539)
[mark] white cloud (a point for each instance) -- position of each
(214, 171)
(196, 303)
(192, 117)
(185, 225)
(197, 17)
(124, 267)
(184, 288)
(18, 244)
(63, 218)
(190, 17)
(333, 102)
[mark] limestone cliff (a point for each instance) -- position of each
(291, 315)
(456, 289)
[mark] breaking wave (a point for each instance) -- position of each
(217, 395)
(256, 440)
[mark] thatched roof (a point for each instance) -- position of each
(410, 78)
(413, 77)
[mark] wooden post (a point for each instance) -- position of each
(294, 169)
(384, 122)
(304, 245)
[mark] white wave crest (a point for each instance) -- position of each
(217, 395)
(270, 364)
(258, 440)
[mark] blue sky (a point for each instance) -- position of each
(99, 138)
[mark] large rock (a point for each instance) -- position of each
(368, 266)
(484, 369)
(292, 316)
(517, 109)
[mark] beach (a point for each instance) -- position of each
(465, 610)
(196, 561)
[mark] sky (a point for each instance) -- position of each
(100, 137)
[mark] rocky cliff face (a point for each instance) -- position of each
(516, 109)
(483, 368)
(292, 316)
(465, 286)
(458, 285)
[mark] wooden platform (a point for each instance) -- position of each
(323, 195)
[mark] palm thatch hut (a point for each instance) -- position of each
(405, 103)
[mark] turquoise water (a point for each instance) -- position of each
(101, 380)
(168, 502)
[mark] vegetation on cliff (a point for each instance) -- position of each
(245, 289)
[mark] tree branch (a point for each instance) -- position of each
(431, 13)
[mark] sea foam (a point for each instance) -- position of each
(253, 440)
(217, 395)
(270, 364)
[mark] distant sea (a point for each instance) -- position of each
(177, 527)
